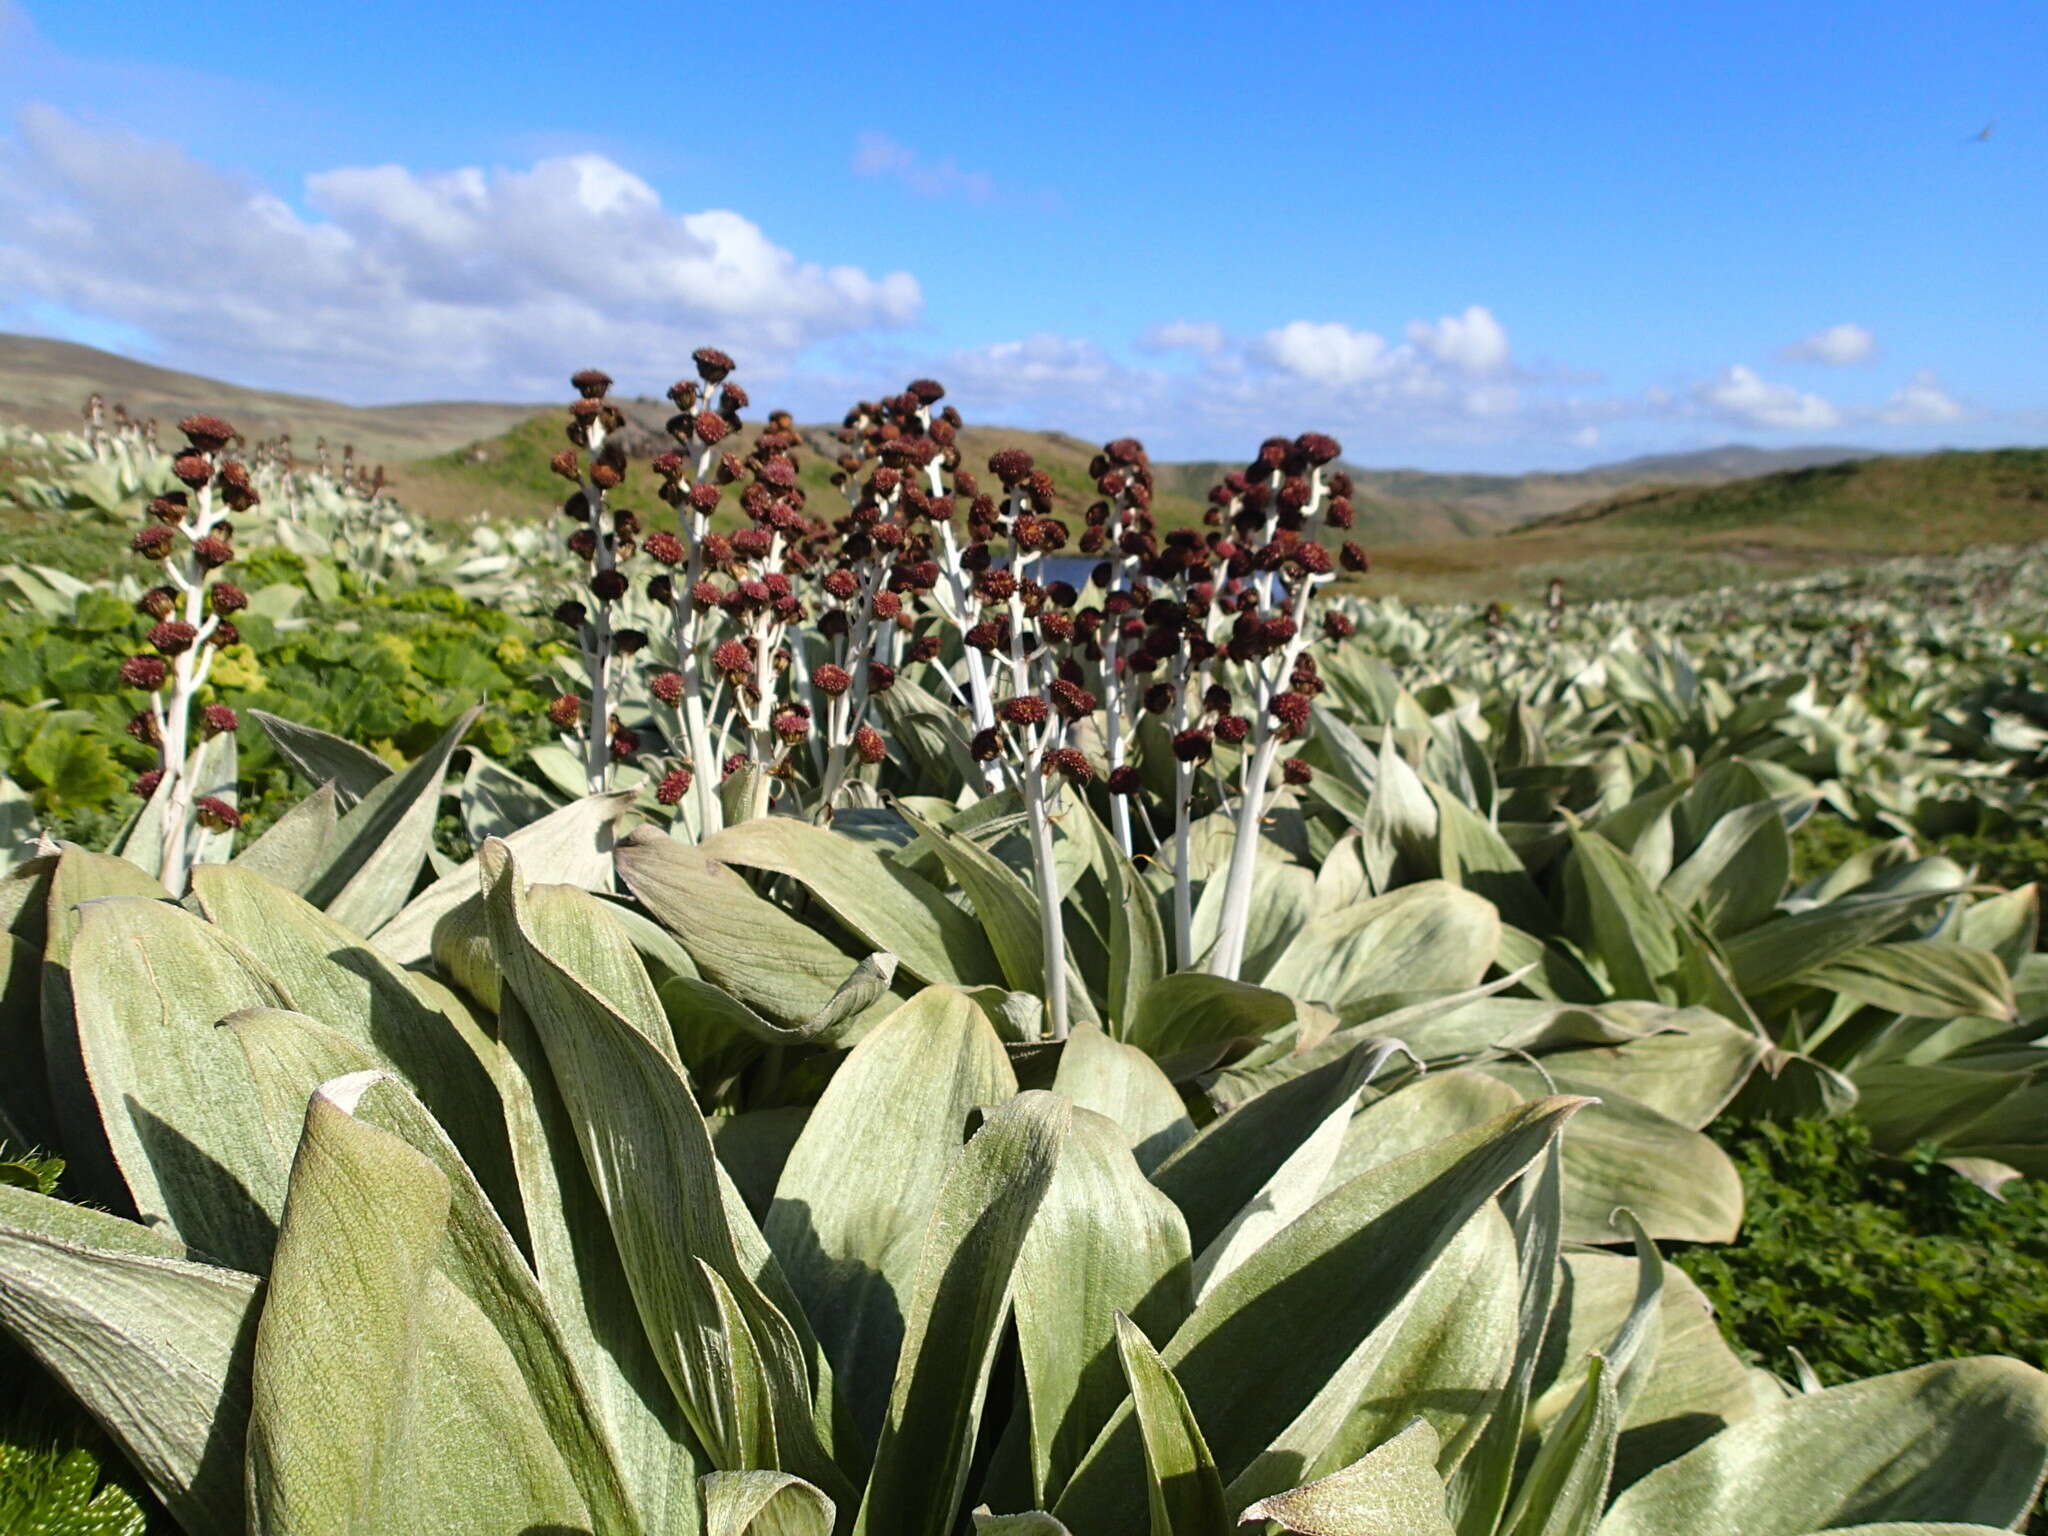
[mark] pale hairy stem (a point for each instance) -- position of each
(1052, 936)
(1183, 800)
(188, 672)
(597, 652)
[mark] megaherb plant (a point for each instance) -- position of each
(379, 1258)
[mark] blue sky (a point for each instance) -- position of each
(1482, 237)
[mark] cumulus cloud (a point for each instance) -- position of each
(1920, 402)
(1473, 342)
(395, 282)
(877, 154)
(1203, 336)
(1326, 352)
(1739, 395)
(1838, 346)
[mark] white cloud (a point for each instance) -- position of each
(1473, 342)
(1740, 396)
(1920, 402)
(1203, 336)
(1838, 346)
(399, 282)
(877, 154)
(1326, 352)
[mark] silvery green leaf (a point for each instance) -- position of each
(1256, 1357)
(1393, 1490)
(381, 844)
(888, 908)
(155, 1344)
(1962, 1441)
(850, 1210)
(1104, 1245)
(363, 1345)
(289, 853)
(1124, 1085)
(324, 758)
(152, 981)
(744, 945)
(1182, 1487)
(1422, 936)
(1927, 978)
(1187, 1021)
(955, 1319)
(764, 1504)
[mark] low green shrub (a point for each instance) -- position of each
(1865, 1264)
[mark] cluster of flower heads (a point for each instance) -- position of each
(187, 535)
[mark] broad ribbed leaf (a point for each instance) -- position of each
(888, 908)
(580, 1273)
(1137, 940)
(152, 981)
(1105, 1244)
(1686, 1064)
(290, 1055)
(378, 848)
(569, 846)
(80, 876)
(382, 1398)
(1960, 1440)
(1220, 1171)
(1680, 1184)
(1122, 1084)
(850, 1210)
(1391, 1491)
(1419, 937)
(1565, 1487)
(1280, 1346)
(1181, 1483)
(1616, 916)
(764, 1504)
(324, 758)
(741, 943)
(650, 1158)
(290, 853)
(1185, 1022)
(1785, 947)
(1929, 979)
(956, 1316)
(154, 1344)
(334, 976)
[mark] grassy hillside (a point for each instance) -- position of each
(44, 383)
(1679, 539)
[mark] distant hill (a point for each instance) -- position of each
(44, 384)
(1779, 524)
(460, 458)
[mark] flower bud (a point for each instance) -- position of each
(206, 434)
(1354, 558)
(143, 728)
(565, 711)
(831, 680)
(674, 785)
(154, 542)
(591, 383)
(1233, 729)
(712, 364)
(608, 586)
(667, 687)
(212, 552)
(173, 637)
(144, 672)
(215, 814)
(218, 720)
(624, 744)
(1070, 763)
(224, 635)
(1292, 711)
(1024, 709)
(1125, 780)
(1295, 770)
(193, 469)
(868, 745)
(572, 613)
(881, 677)
(145, 784)
(791, 727)
(987, 745)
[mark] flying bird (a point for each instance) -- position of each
(1982, 135)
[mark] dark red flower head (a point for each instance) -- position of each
(868, 745)
(173, 637)
(565, 710)
(1317, 447)
(1024, 709)
(145, 784)
(218, 720)
(831, 680)
(207, 434)
(591, 383)
(1233, 729)
(1069, 763)
(212, 552)
(194, 469)
(667, 687)
(227, 598)
(215, 814)
(712, 364)
(608, 586)
(154, 541)
(624, 744)
(1292, 711)
(1193, 746)
(1295, 770)
(1354, 558)
(1010, 465)
(1125, 780)
(881, 677)
(674, 785)
(144, 672)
